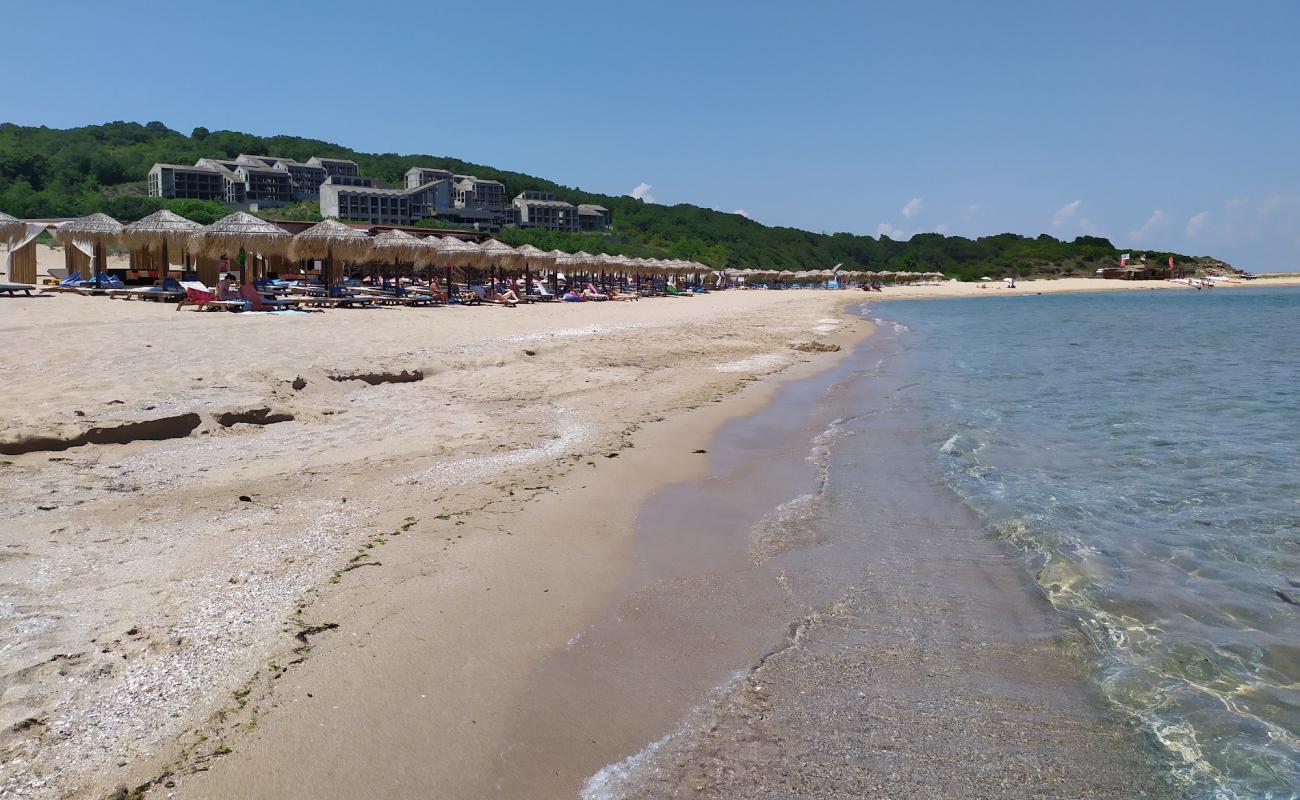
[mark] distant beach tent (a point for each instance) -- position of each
(240, 231)
(330, 240)
(162, 230)
(96, 231)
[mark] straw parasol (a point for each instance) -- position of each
(328, 240)
(534, 258)
(398, 246)
(500, 254)
(98, 229)
(239, 231)
(454, 252)
(162, 229)
(11, 228)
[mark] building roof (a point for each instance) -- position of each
(471, 179)
(188, 168)
(263, 170)
(591, 208)
(320, 160)
(533, 202)
(341, 188)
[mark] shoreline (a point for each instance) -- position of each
(472, 707)
(455, 526)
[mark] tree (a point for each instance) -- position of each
(199, 134)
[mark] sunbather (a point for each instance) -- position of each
(590, 293)
(572, 296)
(615, 294)
(507, 298)
(226, 288)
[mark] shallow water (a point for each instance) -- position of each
(1144, 451)
(861, 634)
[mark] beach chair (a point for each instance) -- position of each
(101, 284)
(204, 299)
(542, 293)
(12, 289)
(256, 302)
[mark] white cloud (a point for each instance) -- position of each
(642, 192)
(742, 212)
(1196, 222)
(888, 229)
(1274, 202)
(972, 210)
(912, 207)
(1157, 218)
(943, 228)
(1065, 213)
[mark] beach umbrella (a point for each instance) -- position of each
(399, 246)
(240, 231)
(500, 256)
(453, 252)
(164, 230)
(329, 240)
(97, 229)
(11, 228)
(534, 258)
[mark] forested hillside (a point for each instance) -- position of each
(46, 172)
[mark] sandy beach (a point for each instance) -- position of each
(155, 588)
(237, 546)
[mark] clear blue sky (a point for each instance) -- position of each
(1161, 124)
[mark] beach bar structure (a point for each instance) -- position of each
(1137, 272)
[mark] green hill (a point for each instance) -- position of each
(46, 172)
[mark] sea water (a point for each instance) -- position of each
(1143, 451)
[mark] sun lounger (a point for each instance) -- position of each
(101, 284)
(12, 289)
(203, 298)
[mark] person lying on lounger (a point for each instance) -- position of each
(508, 297)
(590, 293)
(571, 295)
(615, 294)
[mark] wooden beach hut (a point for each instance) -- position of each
(97, 231)
(20, 260)
(162, 231)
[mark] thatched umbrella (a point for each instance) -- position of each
(500, 256)
(240, 231)
(328, 240)
(534, 258)
(161, 229)
(11, 228)
(451, 252)
(401, 246)
(98, 229)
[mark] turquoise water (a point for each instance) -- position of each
(1144, 451)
